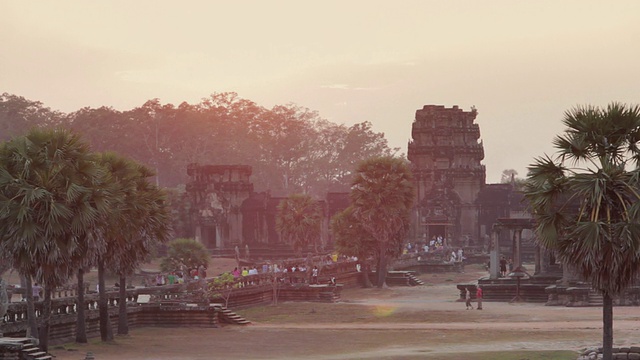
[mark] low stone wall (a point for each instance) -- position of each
(261, 295)
(504, 290)
(619, 353)
(581, 294)
(63, 326)
(428, 266)
(181, 304)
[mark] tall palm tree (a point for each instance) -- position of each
(382, 195)
(138, 220)
(352, 239)
(148, 226)
(299, 220)
(47, 200)
(585, 200)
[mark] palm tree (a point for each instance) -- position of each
(585, 200)
(352, 239)
(382, 195)
(138, 220)
(47, 200)
(298, 220)
(148, 226)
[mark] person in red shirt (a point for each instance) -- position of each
(479, 297)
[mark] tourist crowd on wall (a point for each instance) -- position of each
(299, 271)
(177, 277)
(436, 249)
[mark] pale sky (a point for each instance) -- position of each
(520, 63)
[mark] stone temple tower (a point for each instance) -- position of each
(445, 154)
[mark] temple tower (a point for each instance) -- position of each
(445, 153)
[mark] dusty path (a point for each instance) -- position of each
(396, 323)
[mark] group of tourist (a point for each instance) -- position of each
(179, 276)
(284, 269)
(478, 298)
(437, 243)
(437, 246)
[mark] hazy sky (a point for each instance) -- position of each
(520, 63)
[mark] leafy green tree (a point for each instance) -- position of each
(382, 196)
(336, 151)
(18, 115)
(511, 176)
(352, 239)
(48, 198)
(179, 203)
(585, 200)
(184, 253)
(222, 287)
(299, 220)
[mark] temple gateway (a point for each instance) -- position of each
(453, 200)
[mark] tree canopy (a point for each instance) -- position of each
(291, 148)
(184, 253)
(51, 193)
(64, 208)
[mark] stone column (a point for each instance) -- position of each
(494, 256)
(219, 243)
(538, 260)
(517, 249)
(569, 275)
(198, 233)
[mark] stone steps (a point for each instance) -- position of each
(414, 281)
(25, 348)
(231, 317)
(595, 298)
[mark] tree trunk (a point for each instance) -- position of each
(81, 323)
(275, 285)
(607, 326)
(366, 271)
(31, 308)
(4, 299)
(382, 270)
(105, 323)
(123, 321)
(46, 319)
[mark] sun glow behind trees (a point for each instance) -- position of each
(290, 148)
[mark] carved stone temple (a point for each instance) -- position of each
(453, 200)
(217, 193)
(446, 154)
(226, 211)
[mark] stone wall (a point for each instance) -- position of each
(619, 353)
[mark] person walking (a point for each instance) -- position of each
(503, 267)
(314, 275)
(468, 299)
(479, 298)
(35, 292)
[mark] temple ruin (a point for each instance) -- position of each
(446, 154)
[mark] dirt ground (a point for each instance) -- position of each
(423, 322)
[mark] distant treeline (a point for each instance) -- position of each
(290, 148)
